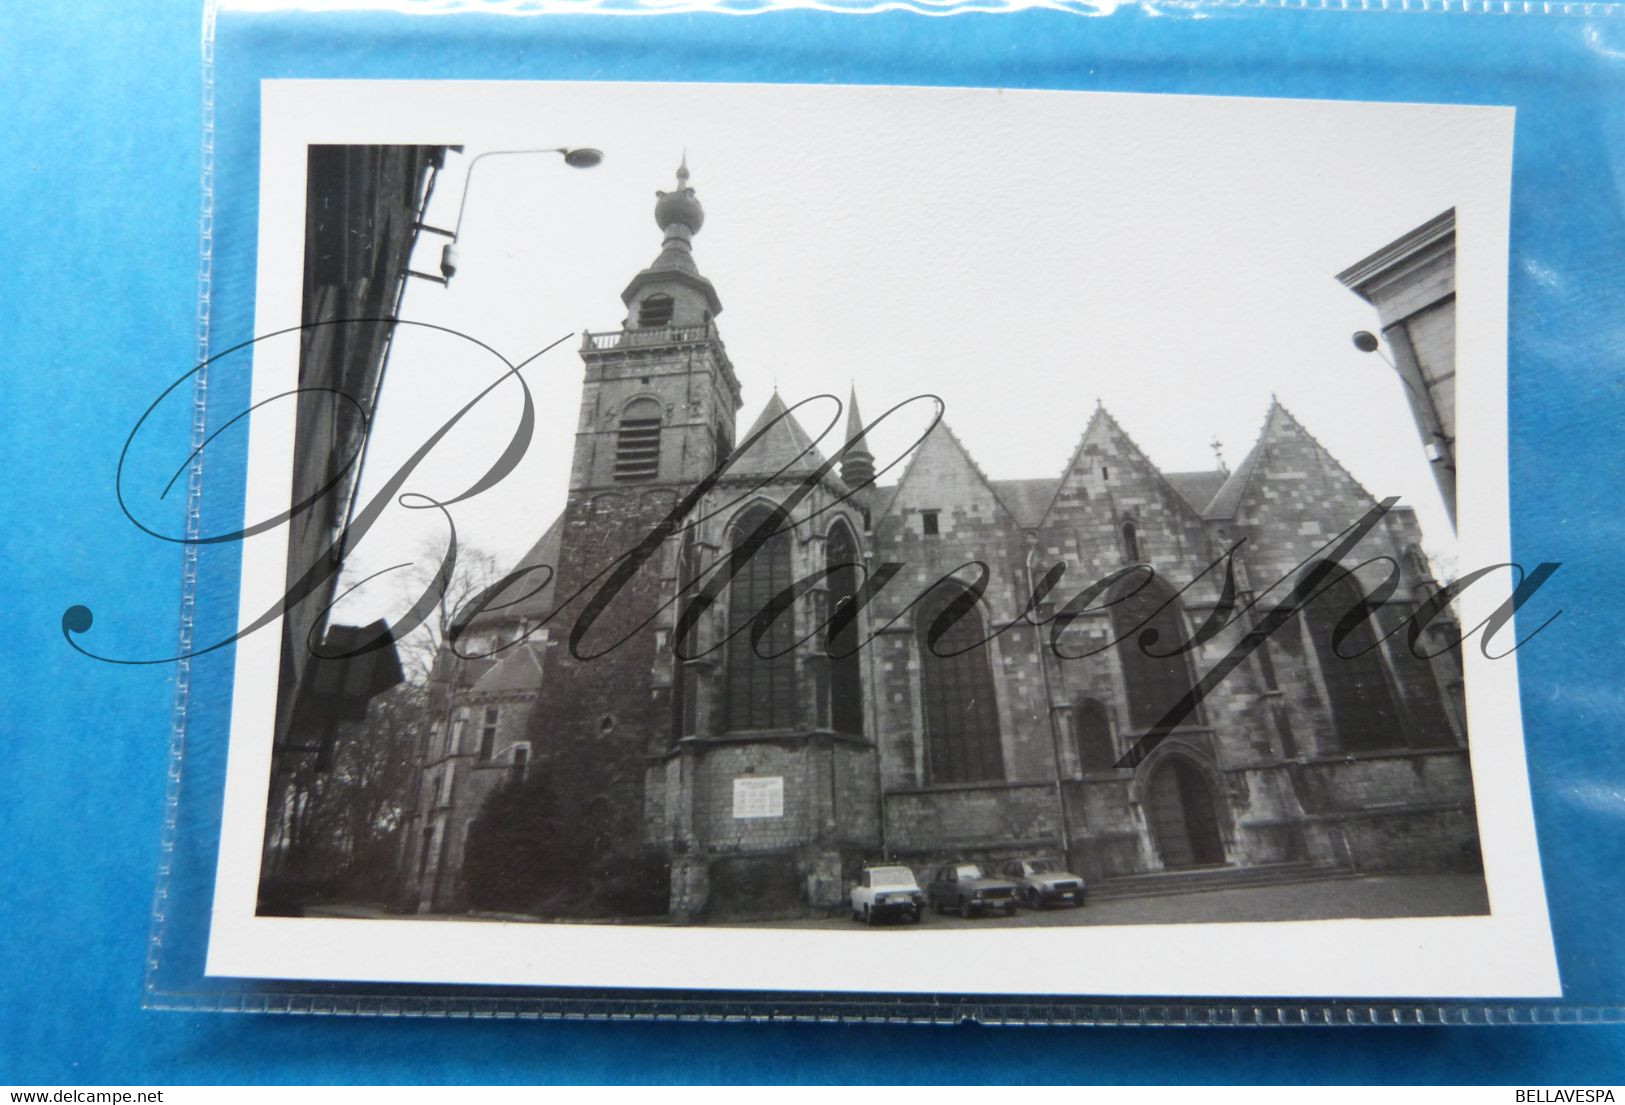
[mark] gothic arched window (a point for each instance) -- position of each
(962, 739)
(845, 670)
(1152, 682)
(1364, 714)
(655, 310)
(637, 441)
(1093, 731)
(761, 683)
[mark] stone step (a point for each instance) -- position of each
(1193, 880)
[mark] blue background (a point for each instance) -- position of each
(98, 199)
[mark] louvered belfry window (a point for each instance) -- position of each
(962, 739)
(655, 310)
(761, 685)
(637, 441)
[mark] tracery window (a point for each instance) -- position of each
(1147, 624)
(1364, 713)
(846, 672)
(761, 683)
(962, 739)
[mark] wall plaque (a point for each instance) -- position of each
(759, 796)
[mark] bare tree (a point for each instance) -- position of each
(338, 833)
(474, 571)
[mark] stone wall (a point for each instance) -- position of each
(943, 821)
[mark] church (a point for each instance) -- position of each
(743, 654)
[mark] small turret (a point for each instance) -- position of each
(858, 463)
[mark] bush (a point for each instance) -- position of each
(533, 849)
(517, 852)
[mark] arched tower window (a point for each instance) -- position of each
(962, 739)
(1093, 731)
(845, 670)
(637, 441)
(1364, 713)
(761, 684)
(655, 310)
(1152, 682)
(1131, 544)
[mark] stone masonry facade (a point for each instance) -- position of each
(798, 670)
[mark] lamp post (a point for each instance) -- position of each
(577, 157)
(1437, 446)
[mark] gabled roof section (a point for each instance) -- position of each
(785, 446)
(941, 449)
(518, 672)
(1278, 423)
(1102, 420)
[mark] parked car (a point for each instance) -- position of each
(1045, 882)
(884, 892)
(962, 886)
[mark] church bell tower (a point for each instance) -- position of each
(658, 404)
(660, 396)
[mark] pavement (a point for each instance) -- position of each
(1349, 896)
(1345, 897)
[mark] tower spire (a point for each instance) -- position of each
(858, 463)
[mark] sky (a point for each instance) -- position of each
(1020, 254)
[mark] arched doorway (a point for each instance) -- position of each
(1183, 813)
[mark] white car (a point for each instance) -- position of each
(883, 892)
(1045, 882)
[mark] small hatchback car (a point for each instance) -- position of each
(962, 886)
(1045, 882)
(886, 892)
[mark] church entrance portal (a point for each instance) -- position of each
(1184, 821)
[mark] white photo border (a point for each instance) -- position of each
(1506, 954)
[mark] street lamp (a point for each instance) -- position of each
(1366, 342)
(577, 157)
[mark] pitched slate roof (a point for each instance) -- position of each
(1028, 500)
(1197, 488)
(545, 551)
(786, 446)
(1228, 497)
(518, 671)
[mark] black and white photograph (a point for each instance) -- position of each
(879, 538)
